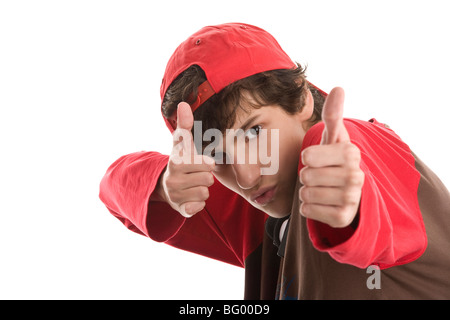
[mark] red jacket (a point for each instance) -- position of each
(230, 229)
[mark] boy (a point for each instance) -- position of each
(351, 211)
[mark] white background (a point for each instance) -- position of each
(79, 87)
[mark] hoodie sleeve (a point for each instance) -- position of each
(390, 230)
(228, 229)
(127, 186)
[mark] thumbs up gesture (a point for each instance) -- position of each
(188, 175)
(332, 179)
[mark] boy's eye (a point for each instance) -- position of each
(253, 132)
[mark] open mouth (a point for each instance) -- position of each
(265, 196)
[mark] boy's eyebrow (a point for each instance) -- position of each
(248, 122)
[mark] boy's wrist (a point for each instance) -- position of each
(158, 193)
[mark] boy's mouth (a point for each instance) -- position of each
(264, 195)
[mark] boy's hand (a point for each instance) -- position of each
(332, 179)
(188, 175)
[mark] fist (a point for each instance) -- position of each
(188, 175)
(332, 179)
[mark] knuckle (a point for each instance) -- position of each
(355, 178)
(341, 219)
(174, 197)
(204, 193)
(208, 161)
(352, 153)
(209, 167)
(210, 179)
(360, 178)
(350, 196)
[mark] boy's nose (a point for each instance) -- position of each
(247, 175)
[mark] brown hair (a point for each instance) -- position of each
(284, 87)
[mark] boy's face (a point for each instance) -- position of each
(268, 132)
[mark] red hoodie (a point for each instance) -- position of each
(390, 232)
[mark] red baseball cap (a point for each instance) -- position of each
(226, 53)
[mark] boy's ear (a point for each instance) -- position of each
(307, 110)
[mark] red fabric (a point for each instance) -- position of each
(204, 93)
(226, 53)
(390, 230)
(127, 185)
(228, 229)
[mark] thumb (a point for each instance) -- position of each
(182, 137)
(185, 118)
(332, 116)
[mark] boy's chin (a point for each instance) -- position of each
(278, 215)
(277, 211)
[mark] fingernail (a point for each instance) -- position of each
(300, 175)
(193, 208)
(187, 210)
(303, 157)
(303, 210)
(300, 193)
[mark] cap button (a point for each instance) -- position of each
(243, 27)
